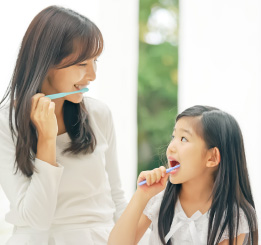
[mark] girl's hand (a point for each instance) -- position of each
(156, 181)
(43, 117)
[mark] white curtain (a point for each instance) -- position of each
(220, 65)
(116, 82)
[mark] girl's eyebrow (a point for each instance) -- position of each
(184, 130)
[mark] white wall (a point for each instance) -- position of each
(116, 82)
(220, 65)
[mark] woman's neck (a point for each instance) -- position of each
(59, 116)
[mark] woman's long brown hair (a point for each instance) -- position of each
(54, 34)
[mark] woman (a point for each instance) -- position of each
(58, 163)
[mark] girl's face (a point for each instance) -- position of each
(189, 150)
(70, 79)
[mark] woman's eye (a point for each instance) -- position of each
(83, 64)
(172, 137)
(183, 139)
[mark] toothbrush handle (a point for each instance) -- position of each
(142, 182)
(56, 96)
(167, 171)
(60, 95)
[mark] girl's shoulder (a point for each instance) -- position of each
(153, 206)
(243, 225)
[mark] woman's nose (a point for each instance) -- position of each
(91, 70)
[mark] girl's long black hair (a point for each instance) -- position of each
(54, 34)
(231, 189)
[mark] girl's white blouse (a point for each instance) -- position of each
(74, 203)
(184, 230)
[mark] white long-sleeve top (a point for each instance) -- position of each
(83, 193)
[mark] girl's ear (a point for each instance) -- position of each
(214, 158)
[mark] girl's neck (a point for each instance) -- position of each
(196, 195)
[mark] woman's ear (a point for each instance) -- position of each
(213, 158)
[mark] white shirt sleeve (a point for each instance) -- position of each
(32, 200)
(153, 206)
(113, 170)
(243, 227)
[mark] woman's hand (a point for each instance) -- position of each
(43, 117)
(156, 181)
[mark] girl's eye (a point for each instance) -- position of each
(172, 137)
(96, 60)
(83, 64)
(183, 139)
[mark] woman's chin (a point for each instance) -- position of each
(75, 99)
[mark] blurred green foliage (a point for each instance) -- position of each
(157, 89)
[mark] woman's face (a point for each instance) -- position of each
(70, 79)
(189, 150)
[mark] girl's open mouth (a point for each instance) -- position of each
(173, 163)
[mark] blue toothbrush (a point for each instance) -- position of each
(167, 171)
(60, 95)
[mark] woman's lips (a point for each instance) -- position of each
(80, 86)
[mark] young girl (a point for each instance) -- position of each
(58, 165)
(207, 199)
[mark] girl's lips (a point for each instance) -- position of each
(173, 162)
(174, 171)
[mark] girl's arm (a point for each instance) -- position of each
(133, 223)
(130, 227)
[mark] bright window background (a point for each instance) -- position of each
(220, 65)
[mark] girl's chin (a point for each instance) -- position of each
(174, 180)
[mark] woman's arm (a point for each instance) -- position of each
(112, 167)
(32, 199)
(44, 119)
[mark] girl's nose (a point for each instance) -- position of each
(172, 146)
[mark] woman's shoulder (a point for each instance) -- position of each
(4, 117)
(97, 108)
(4, 109)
